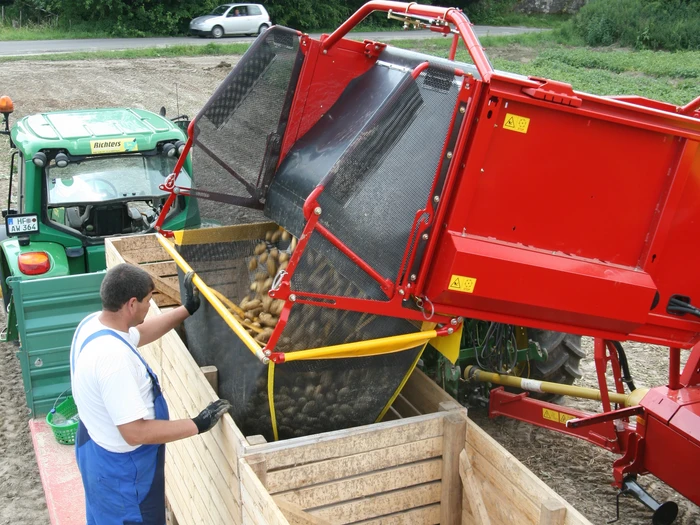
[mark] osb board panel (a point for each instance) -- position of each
(380, 504)
(428, 515)
(492, 463)
(342, 443)
(353, 487)
(257, 502)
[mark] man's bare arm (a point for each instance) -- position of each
(157, 326)
(156, 431)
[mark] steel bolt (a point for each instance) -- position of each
(267, 353)
(325, 51)
(450, 331)
(436, 199)
(265, 360)
(462, 110)
(449, 154)
(424, 236)
(482, 170)
(292, 298)
(413, 277)
(401, 292)
(453, 321)
(317, 210)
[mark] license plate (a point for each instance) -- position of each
(22, 224)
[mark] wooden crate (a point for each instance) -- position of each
(426, 463)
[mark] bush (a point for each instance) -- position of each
(642, 24)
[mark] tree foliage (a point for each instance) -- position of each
(171, 17)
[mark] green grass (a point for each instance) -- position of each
(666, 76)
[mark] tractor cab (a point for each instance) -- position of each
(77, 177)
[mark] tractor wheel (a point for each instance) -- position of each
(564, 354)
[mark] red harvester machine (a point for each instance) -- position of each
(446, 191)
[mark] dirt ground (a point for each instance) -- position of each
(581, 473)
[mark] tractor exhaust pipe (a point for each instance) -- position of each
(472, 373)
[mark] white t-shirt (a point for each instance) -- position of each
(111, 385)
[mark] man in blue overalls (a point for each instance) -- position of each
(124, 425)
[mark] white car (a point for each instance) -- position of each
(232, 19)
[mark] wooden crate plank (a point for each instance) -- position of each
(136, 242)
(500, 459)
(552, 512)
(204, 491)
(428, 515)
(381, 504)
(423, 393)
(454, 434)
(201, 393)
(296, 515)
(214, 442)
(472, 491)
(147, 255)
(509, 491)
(404, 407)
(299, 451)
(254, 495)
(201, 470)
(365, 485)
(192, 499)
(343, 467)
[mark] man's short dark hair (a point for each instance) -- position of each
(123, 282)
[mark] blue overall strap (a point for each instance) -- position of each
(74, 352)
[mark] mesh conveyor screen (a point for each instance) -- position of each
(238, 132)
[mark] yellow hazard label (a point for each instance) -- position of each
(516, 123)
(460, 283)
(557, 417)
(98, 147)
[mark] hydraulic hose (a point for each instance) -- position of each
(622, 358)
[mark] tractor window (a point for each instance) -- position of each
(101, 179)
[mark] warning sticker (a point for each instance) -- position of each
(98, 147)
(516, 123)
(557, 417)
(460, 283)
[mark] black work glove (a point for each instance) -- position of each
(208, 417)
(190, 299)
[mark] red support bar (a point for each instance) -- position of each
(691, 372)
(691, 106)
(386, 285)
(674, 369)
(605, 416)
(452, 15)
(554, 417)
(453, 47)
(419, 69)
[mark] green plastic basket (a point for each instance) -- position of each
(64, 434)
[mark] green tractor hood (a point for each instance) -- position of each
(93, 132)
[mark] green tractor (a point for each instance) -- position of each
(80, 176)
(541, 355)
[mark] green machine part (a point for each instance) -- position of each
(48, 312)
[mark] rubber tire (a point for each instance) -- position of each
(263, 28)
(564, 354)
(217, 32)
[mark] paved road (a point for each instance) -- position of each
(40, 47)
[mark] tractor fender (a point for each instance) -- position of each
(11, 251)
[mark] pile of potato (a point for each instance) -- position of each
(257, 311)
